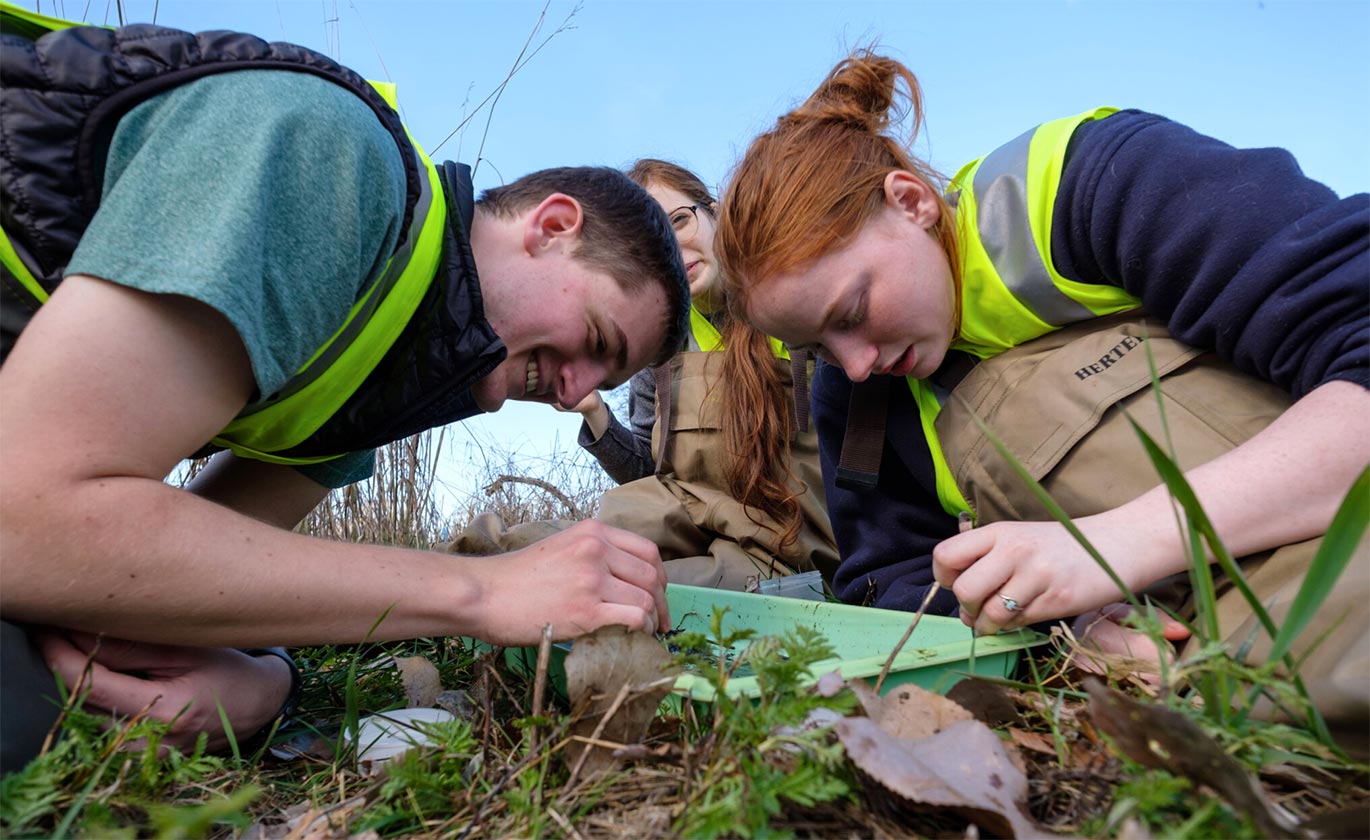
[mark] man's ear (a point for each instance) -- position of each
(554, 222)
(909, 194)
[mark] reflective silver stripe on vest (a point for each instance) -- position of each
(395, 267)
(1006, 233)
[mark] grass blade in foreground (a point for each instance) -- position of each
(1179, 488)
(1052, 507)
(1338, 546)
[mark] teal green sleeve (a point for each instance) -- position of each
(272, 196)
(340, 472)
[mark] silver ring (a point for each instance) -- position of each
(1010, 604)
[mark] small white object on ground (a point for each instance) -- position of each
(382, 737)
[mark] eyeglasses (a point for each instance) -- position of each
(685, 221)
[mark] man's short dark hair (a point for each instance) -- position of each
(624, 233)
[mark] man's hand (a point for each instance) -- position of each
(585, 577)
(184, 686)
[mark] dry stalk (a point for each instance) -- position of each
(599, 730)
(540, 678)
(917, 617)
(73, 697)
(551, 489)
(564, 823)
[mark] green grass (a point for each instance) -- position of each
(733, 767)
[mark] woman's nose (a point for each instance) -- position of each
(856, 360)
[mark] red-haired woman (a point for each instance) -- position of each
(706, 536)
(1032, 291)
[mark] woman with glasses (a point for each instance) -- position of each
(706, 536)
(1034, 292)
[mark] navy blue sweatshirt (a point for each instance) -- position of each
(1235, 250)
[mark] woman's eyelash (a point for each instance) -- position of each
(857, 315)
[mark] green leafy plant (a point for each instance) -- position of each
(757, 754)
(88, 783)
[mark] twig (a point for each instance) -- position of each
(917, 617)
(964, 522)
(564, 823)
(599, 730)
(494, 486)
(73, 698)
(499, 89)
(540, 678)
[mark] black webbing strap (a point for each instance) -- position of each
(955, 367)
(859, 467)
(661, 374)
(799, 373)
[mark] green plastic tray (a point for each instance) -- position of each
(937, 655)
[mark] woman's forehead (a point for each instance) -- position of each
(666, 195)
(792, 305)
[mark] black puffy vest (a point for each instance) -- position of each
(61, 98)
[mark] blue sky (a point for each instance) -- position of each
(695, 81)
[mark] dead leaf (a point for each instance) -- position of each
(963, 768)
(908, 711)
(1034, 741)
(990, 703)
(618, 677)
(1315, 780)
(1155, 736)
(458, 702)
(829, 685)
(422, 685)
(1350, 822)
(324, 823)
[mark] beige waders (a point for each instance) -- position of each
(706, 537)
(1058, 403)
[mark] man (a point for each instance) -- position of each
(215, 241)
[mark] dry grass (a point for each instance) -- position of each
(507, 772)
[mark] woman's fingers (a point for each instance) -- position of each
(1000, 598)
(954, 555)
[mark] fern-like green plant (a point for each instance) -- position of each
(757, 753)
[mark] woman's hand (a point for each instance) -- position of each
(1313, 452)
(595, 411)
(580, 579)
(1011, 574)
(182, 686)
(1105, 631)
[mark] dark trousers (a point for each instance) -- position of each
(28, 698)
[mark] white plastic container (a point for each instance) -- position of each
(808, 586)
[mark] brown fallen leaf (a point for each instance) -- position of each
(908, 711)
(1350, 822)
(1034, 741)
(307, 822)
(618, 677)
(1155, 736)
(420, 679)
(829, 685)
(963, 768)
(990, 703)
